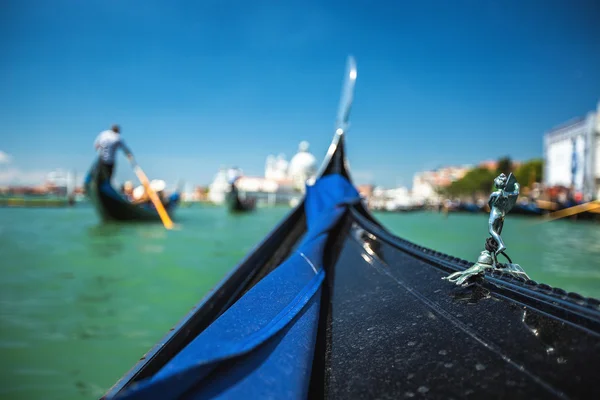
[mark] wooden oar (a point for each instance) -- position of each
(592, 205)
(546, 205)
(166, 220)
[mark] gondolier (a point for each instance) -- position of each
(107, 144)
(233, 174)
(236, 203)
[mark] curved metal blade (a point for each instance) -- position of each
(347, 95)
(343, 111)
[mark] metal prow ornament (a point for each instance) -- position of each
(501, 202)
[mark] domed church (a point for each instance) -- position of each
(302, 167)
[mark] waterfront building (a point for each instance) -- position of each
(283, 183)
(218, 187)
(427, 183)
(276, 168)
(424, 186)
(303, 167)
(365, 191)
(61, 182)
(391, 199)
(572, 155)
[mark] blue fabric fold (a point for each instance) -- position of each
(263, 345)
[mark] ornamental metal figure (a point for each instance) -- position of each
(501, 202)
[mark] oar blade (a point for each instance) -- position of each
(162, 213)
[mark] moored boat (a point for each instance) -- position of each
(332, 305)
(469, 207)
(237, 203)
(529, 208)
(113, 205)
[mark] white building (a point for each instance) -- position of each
(276, 168)
(218, 187)
(426, 183)
(423, 186)
(392, 199)
(572, 155)
(303, 167)
(63, 180)
(283, 181)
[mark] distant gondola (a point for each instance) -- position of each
(332, 305)
(527, 209)
(112, 205)
(235, 203)
(469, 207)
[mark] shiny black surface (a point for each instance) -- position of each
(398, 330)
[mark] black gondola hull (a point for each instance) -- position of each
(111, 205)
(237, 204)
(398, 330)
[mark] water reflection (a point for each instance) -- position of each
(471, 294)
(106, 240)
(109, 239)
(547, 331)
(105, 229)
(369, 243)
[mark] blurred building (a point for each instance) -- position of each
(276, 168)
(302, 167)
(60, 182)
(194, 194)
(366, 191)
(490, 165)
(426, 183)
(218, 187)
(572, 155)
(395, 199)
(283, 182)
(57, 183)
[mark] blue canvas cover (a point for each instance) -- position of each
(263, 345)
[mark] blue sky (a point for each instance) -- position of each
(200, 84)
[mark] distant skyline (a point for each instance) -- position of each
(200, 85)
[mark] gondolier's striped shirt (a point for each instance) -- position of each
(109, 142)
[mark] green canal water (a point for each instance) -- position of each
(81, 301)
